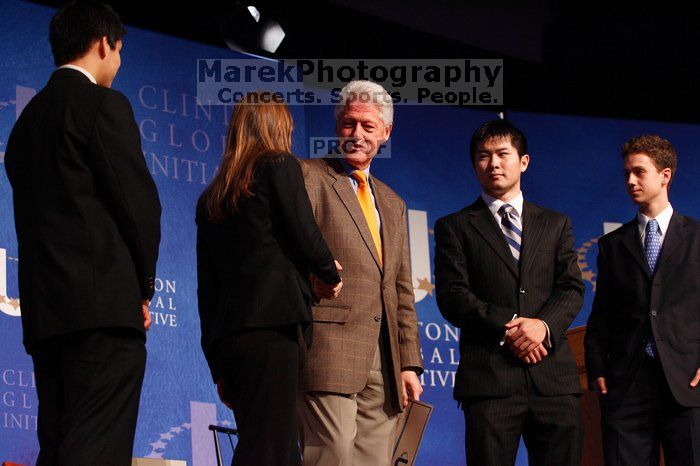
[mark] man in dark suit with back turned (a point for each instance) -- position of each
(643, 336)
(506, 274)
(87, 217)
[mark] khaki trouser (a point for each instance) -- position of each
(348, 430)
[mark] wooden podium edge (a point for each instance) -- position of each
(575, 336)
(590, 409)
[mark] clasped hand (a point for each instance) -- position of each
(525, 337)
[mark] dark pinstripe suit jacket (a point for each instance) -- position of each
(479, 288)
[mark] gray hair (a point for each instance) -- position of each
(366, 91)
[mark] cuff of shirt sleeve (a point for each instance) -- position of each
(548, 338)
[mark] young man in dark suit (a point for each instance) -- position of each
(643, 336)
(506, 274)
(87, 218)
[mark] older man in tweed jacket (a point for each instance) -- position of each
(365, 359)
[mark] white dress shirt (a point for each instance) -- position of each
(494, 204)
(663, 219)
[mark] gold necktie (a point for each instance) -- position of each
(365, 198)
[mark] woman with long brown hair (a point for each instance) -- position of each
(257, 244)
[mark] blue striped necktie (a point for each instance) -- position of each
(652, 249)
(652, 244)
(510, 225)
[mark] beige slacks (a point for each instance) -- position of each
(348, 430)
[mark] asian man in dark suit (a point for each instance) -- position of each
(87, 217)
(643, 336)
(506, 275)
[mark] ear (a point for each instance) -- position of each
(103, 47)
(666, 174)
(524, 162)
(387, 131)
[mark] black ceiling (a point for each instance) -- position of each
(598, 58)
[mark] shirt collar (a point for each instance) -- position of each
(82, 70)
(663, 219)
(349, 169)
(494, 204)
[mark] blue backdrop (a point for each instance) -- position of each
(575, 168)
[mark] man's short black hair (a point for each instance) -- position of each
(499, 129)
(77, 25)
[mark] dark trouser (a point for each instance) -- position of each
(261, 370)
(89, 384)
(551, 428)
(648, 417)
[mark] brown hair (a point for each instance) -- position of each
(658, 149)
(260, 129)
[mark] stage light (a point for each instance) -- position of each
(255, 13)
(249, 28)
(272, 37)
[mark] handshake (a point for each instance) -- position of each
(525, 337)
(323, 290)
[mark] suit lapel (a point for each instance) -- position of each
(347, 195)
(633, 244)
(532, 231)
(485, 224)
(674, 237)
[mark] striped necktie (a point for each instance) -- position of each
(365, 198)
(652, 248)
(510, 225)
(652, 244)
